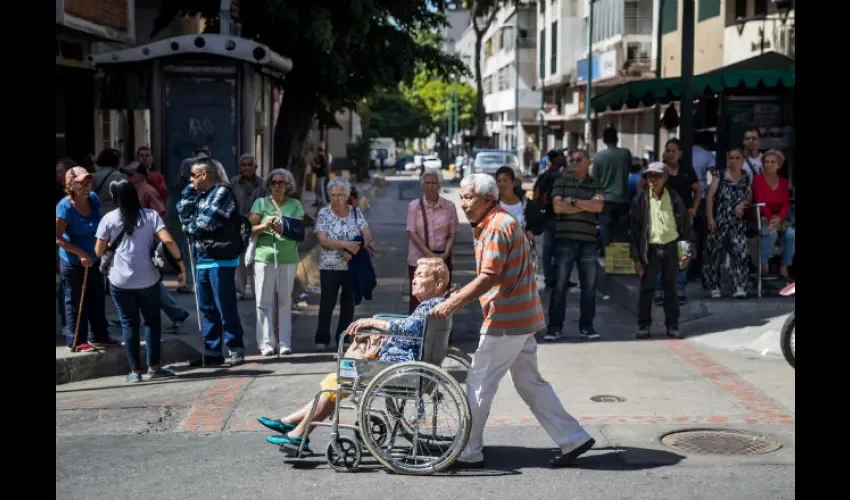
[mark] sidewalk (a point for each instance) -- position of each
(184, 346)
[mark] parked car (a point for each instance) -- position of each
(488, 161)
(432, 161)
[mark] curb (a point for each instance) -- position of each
(112, 362)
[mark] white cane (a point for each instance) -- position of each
(197, 304)
(276, 308)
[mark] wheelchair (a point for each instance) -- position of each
(412, 417)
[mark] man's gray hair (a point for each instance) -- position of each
(432, 172)
(287, 177)
(339, 182)
(482, 184)
(209, 167)
(248, 156)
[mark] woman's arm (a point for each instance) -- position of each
(100, 246)
(419, 243)
(709, 203)
(61, 242)
(168, 242)
(697, 190)
(367, 236)
(330, 244)
(258, 226)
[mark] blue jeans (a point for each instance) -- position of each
(216, 288)
(768, 242)
(548, 252)
(129, 303)
(681, 282)
(93, 313)
(170, 306)
(568, 253)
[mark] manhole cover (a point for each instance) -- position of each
(607, 398)
(721, 442)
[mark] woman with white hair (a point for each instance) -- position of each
(337, 227)
(431, 227)
(275, 261)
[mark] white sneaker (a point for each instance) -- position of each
(285, 350)
(267, 351)
(739, 294)
(715, 294)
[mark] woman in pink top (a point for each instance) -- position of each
(431, 225)
(772, 190)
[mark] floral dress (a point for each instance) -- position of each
(412, 329)
(338, 228)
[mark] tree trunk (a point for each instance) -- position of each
(293, 124)
(480, 113)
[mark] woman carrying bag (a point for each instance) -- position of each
(276, 226)
(126, 240)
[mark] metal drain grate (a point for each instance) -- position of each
(607, 398)
(721, 442)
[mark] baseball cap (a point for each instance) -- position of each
(656, 167)
(77, 174)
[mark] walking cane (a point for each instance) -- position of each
(197, 304)
(276, 308)
(80, 311)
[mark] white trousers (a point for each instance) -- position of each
(517, 353)
(266, 285)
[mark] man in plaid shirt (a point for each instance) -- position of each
(205, 206)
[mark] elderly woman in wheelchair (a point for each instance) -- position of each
(403, 344)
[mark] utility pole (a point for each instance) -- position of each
(588, 118)
(656, 110)
(457, 120)
(686, 117)
(516, 81)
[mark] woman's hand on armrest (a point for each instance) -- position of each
(365, 324)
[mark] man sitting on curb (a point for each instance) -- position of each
(661, 241)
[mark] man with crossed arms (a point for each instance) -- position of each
(507, 290)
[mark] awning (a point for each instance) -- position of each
(770, 70)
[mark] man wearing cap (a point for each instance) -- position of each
(661, 242)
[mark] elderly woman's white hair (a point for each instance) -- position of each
(339, 182)
(287, 177)
(432, 172)
(437, 267)
(482, 184)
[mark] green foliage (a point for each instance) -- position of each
(358, 153)
(434, 97)
(391, 114)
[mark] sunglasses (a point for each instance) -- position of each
(654, 175)
(277, 183)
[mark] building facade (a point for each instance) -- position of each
(501, 58)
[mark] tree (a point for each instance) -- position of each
(482, 12)
(391, 114)
(340, 51)
(434, 96)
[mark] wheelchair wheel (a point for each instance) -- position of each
(378, 429)
(348, 457)
(423, 402)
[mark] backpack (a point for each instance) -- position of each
(230, 240)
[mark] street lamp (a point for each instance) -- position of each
(516, 80)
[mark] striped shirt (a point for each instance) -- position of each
(580, 226)
(512, 306)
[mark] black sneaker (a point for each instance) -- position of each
(567, 459)
(658, 299)
(589, 333)
(642, 333)
(674, 333)
(177, 325)
(209, 360)
(552, 335)
(682, 300)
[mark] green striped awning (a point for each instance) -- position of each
(770, 70)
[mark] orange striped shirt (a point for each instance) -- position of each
(512, 306)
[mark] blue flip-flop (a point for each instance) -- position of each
(276, 425)
(293, 443)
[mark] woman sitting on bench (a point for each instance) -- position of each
(430, 286)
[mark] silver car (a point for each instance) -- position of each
(487, 162)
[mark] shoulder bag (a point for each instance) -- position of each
(106, 259)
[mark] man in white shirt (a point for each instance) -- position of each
(752, 156)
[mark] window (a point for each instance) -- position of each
(553, 60)
(542, 53)
(501, 79)
(708, 9)
(740, 8)
(670, 17)
(501, 39)
(542, 7)
(760, 8)
(489, 47)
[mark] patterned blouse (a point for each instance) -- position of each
(406, 348)
(338, 228)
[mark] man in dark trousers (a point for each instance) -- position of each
(661, 242)
(543, 195)
(611, 167)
